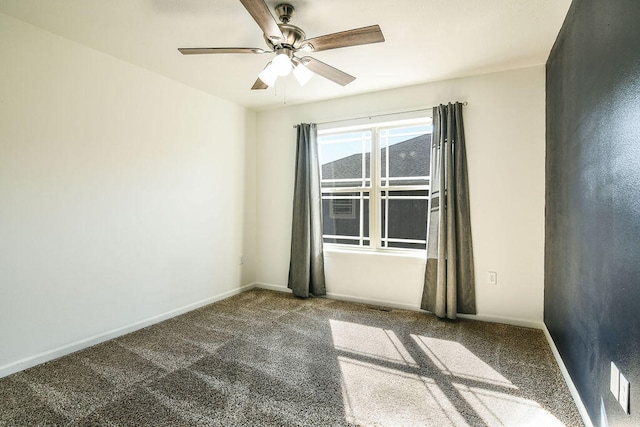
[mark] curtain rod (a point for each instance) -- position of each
(464, 104)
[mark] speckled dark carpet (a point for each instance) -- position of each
(267, 358)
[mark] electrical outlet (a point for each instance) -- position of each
(241, 260)
(624, 394)
(614, 383)
(492, 278)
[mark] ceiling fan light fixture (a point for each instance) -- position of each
(282, 64)
(268, 75)
(302, 74)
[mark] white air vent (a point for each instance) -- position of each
(343, 209)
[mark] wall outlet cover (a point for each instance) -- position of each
(492, 278)
(614, 385)
(624, 394)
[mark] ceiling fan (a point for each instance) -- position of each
(285, 40)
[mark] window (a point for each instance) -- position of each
(375, 184)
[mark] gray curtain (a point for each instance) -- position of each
(449, 286)
(306, 268)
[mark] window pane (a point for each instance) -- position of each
(404, 219)
(404, 245)
(344, 159)
(407, 219)
(342, 241)
(407, 193)
(405, 155)
(345, 218)
(383, 217)
(345, 184)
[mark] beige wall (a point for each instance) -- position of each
(504, 124)
(121, 196)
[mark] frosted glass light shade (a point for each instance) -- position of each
(282, 64)
(302, 74)
(268, 75)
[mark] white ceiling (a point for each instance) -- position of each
(426, 40)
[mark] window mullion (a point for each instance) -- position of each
(363, 150)
(375, 213)
(384, 146)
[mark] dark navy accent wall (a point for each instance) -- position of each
(592, 243)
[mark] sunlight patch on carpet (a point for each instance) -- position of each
(500, 409)
(454, 359)
(376, 395)
(369, 341)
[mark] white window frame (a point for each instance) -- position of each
(375, 188)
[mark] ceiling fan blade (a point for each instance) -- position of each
(259, 84)
(327, 71)
(260, 12)
(205, 50)
(365, 35)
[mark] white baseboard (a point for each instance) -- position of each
(373, 301)
(412, 307)
(341, 297)
(513, 321)
(55, 353)
(567, 378)
(271, 287)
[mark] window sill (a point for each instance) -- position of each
(336, 250)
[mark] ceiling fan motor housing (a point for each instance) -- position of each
(285, 12)
(292, 35)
